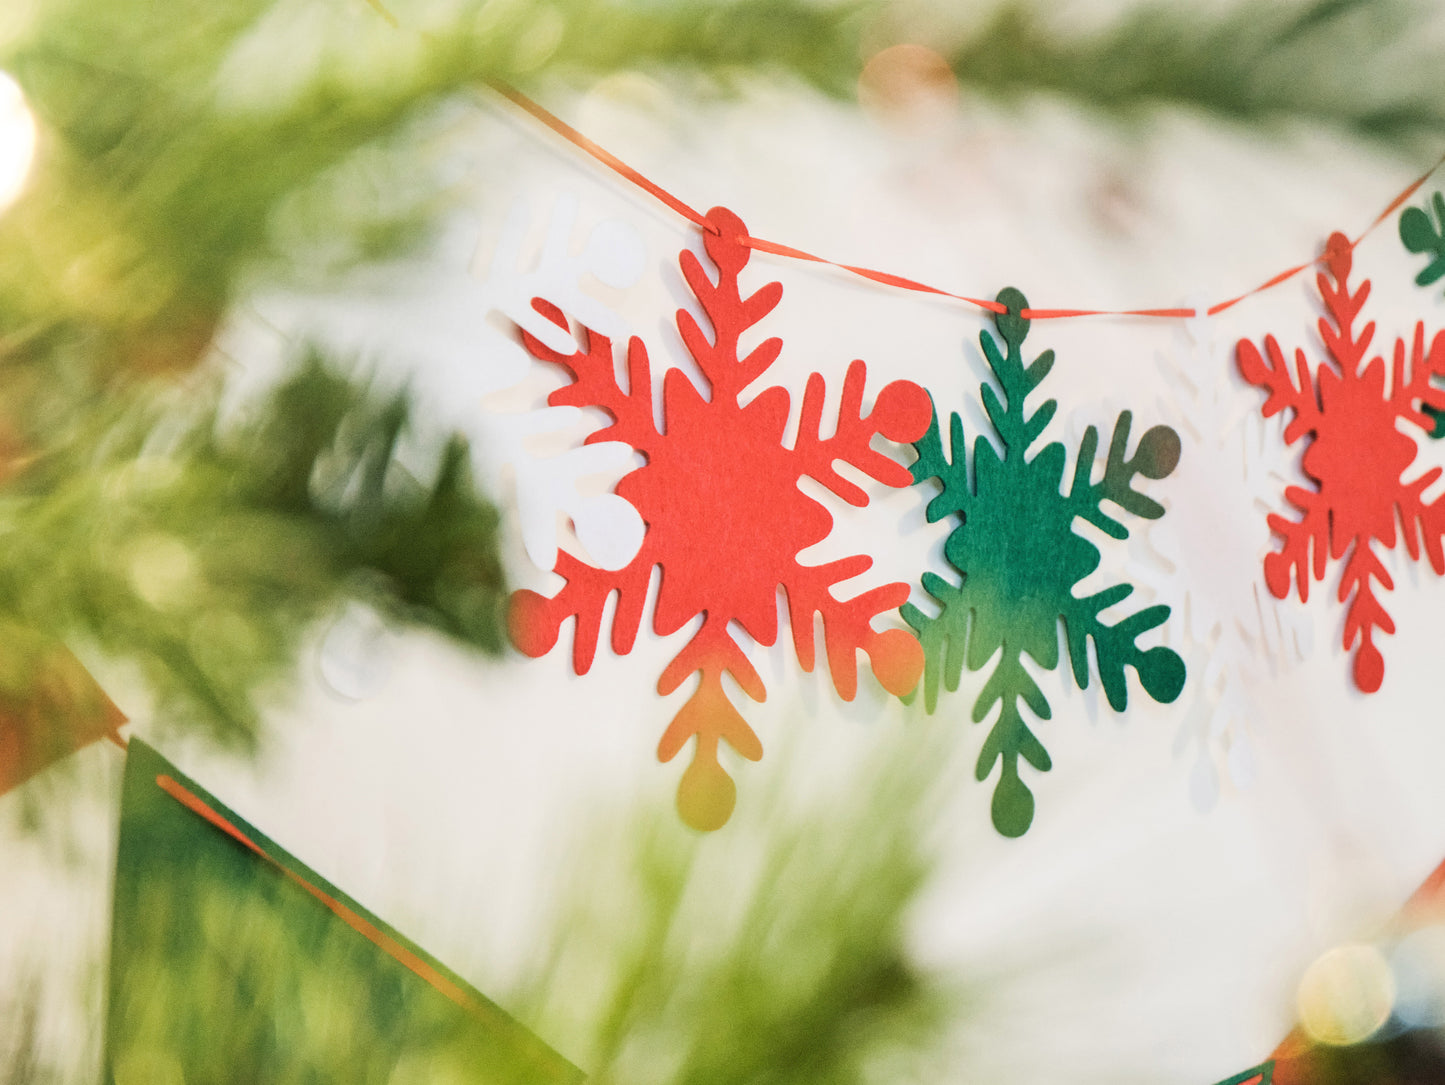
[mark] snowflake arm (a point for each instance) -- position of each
(1365, 613)
(1009, 739)
(729, 314)
(896, 416)
(594, 382)
(1016, 429)
(1341, 307)
(1429, 519)
(535, 621)
(893, 654)
(1419, 389)
(1306, 545)
(1155, 458)
(934, 462)
(711, 653)
(1273, 376)
(944, 638)
(1420, 235)
(1160, 670)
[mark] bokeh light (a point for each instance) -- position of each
(17, 140)
(907, 82)
(1346, 995)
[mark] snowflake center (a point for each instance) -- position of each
(732, 510)
(1028, 529)
(1352, 423)
(1020, 552)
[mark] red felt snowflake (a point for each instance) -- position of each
(1356, 456)
(726, 518)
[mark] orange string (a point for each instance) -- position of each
(606, 157)
(883, 277)
(610, 160)
(357, 922)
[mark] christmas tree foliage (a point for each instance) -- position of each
(203, 551)
(1020, 557)
(1255, 62)
(775, 953)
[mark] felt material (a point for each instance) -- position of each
(1347, 412)
(49, 707)
(1019, 556)
(231, 962)
(726, 519)
(1421, 234)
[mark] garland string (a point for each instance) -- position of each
(608, 159)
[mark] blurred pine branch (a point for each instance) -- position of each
(1368, 67)
(203, 552)
(773, 954)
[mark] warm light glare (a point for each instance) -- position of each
(1346, 995)
(907, 81)
(17, 140)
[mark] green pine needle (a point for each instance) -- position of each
(1346, 64)
(771, 953)
(204, 554)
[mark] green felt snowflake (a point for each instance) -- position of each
(1015, 545)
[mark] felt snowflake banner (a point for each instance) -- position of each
(724, 500)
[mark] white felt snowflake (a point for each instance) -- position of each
(1235, 631)
(607, 526)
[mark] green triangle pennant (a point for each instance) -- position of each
(232, 962)
(1262, 1074)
